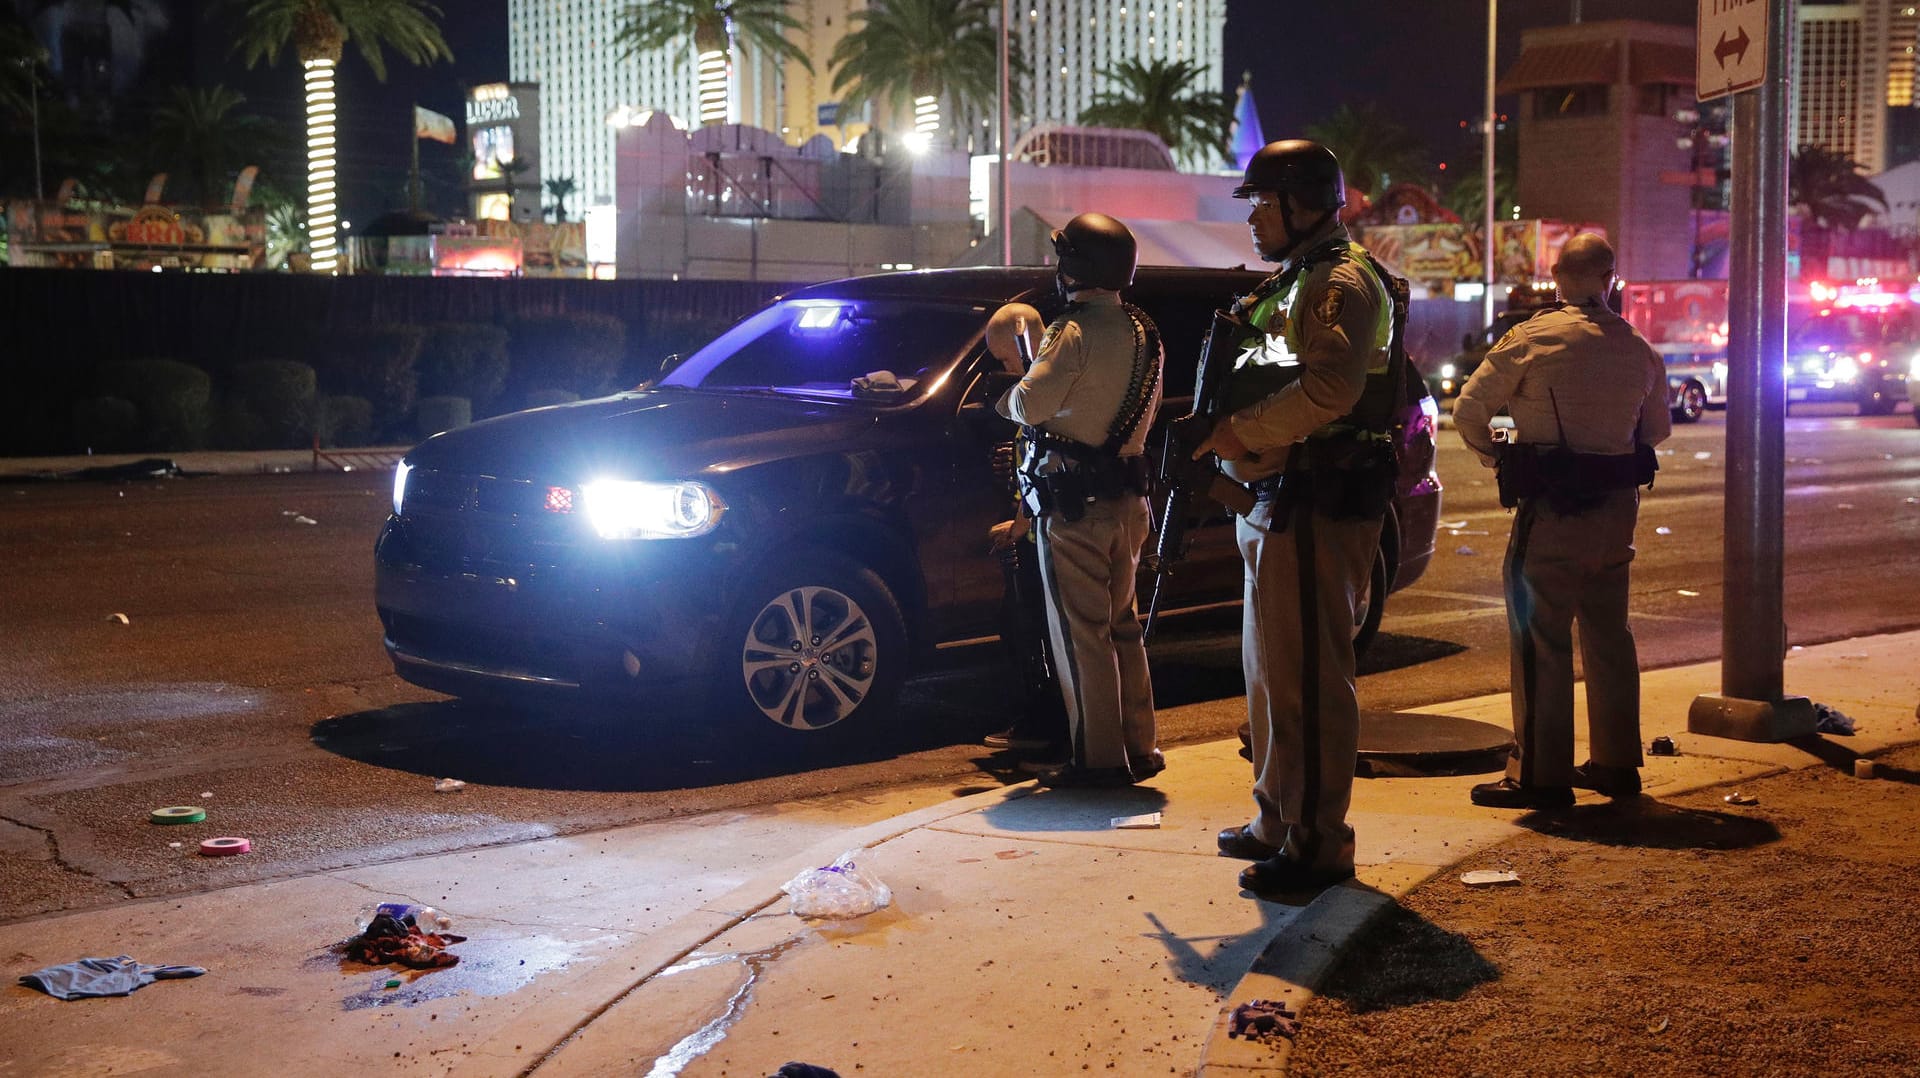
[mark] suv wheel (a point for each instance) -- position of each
(1693, 403)
(816, 642)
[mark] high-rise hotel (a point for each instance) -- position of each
(1851, 63)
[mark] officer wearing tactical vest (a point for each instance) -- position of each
(1307, 423)
(1588, 397)
(1087, 403)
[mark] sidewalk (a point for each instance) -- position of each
(1026, 936)
(204, 462)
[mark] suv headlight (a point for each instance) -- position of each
(1845, 369)
(634, 509)
(400, 472)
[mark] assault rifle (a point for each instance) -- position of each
(1181, 475)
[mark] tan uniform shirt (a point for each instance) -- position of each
(1336, 346)
(1079, 381)
(1575, 371)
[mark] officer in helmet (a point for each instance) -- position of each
(1086, 406)
(1305, 423)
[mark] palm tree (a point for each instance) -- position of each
(1830, 194)
(1160, 97)
(511, 168)
(714, 26)
(318, 31)
(560, 187)
(1374, 150)
(200, 132)
(906, 52)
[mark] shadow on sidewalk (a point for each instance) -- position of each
(1650, 824)
(1841, 759)
(1403, 960)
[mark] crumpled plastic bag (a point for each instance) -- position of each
(1831, 720)
(837, 891)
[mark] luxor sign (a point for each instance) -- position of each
(492, 103)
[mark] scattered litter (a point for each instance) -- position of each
(1489, 877)
(1689, 593)
(1913, 501)
(1667, 452)
(89, 977)
(392, 982)
(225, 846)
(1146, 821)
(1263, 1020)
(305, 520)
(1844, 505)
(177, 814)
(391, 939)
(1739, 797)
(204, 794)
(1663, 530)
(1467, 551)
(1453, 524)
(1863, 768)
(448, 786)
(1831, 720)
(1013, 855)
(119, 617)
(1662, 746)
(1660, 1026)
(1467, 531)
(175, 845)
(839, 890)
(805, 1070)
(1703, 455)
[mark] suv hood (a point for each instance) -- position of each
(647, 434)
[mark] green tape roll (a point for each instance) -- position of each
(178, 814)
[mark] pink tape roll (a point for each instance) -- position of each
(225, 846)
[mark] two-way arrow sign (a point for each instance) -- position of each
(1732, 46)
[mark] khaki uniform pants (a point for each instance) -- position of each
(1302, 586)
(1087, 566)
(1561, 569)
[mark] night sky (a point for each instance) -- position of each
(1422, 61)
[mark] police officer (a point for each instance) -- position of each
(1087, 404)
(1588, 397)
(1309, 405)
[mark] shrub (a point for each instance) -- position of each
(174, 400)
(540, 398)
(345, 421)
(106, 424)
(443, 413)
(577, 352)
(269, 405)
(463, 359)
(376, 364)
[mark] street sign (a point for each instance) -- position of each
(827, 113)
(1731, 54)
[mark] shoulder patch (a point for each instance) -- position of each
(1328, 305)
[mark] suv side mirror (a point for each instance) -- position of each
(668, 364)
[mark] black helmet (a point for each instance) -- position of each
(1096, 250)
(1299, 167)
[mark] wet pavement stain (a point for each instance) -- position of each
(487, 968)
(701, 1041)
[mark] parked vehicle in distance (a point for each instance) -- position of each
(1858, 351)
(785, 520)
(1696, 379)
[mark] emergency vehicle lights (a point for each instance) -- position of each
(1822, 292)
(825, 316)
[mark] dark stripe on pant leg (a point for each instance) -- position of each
(1522, 532)
(1068, 663)
(1309, 682)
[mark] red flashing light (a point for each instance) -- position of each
(559, 500)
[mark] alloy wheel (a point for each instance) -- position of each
(809, 658)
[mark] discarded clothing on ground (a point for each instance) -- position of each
(1263, 1019)
(1831, 720)
(389, 939)
(805, 1070)
(117, 976)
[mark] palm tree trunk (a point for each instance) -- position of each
(318, 39)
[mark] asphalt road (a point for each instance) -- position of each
(248, 676)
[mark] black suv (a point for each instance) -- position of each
(784, 520)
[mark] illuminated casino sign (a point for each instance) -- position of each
(491, 104)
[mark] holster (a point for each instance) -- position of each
(1572, 483)
(1069, 491)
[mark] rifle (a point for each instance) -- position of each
(1181, 475)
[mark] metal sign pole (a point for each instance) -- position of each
(1005, 225)
(1487, 246)
(1751, 705)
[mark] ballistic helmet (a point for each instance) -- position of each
(1096, 250)
(1299, 167)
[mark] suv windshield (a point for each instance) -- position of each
(833, 348)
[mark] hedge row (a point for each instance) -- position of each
(378, 384)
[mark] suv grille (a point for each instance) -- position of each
(466, 523)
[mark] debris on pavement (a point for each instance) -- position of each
(390, 939)
(1663, 530)
(1689, 593)
(1143, 822)
(1844, 505)
(1863, 768)
(175, 845)
(1831, 720)
(303, 519)
(1263, 1020)
(1660, 1026)
(177, 814)
(1467, 551)
(804, 1070)
(1703, 455)
(1453, 524)
(119, 617)
(839, 890)
(1489, 877)
(225, 846)
(1738, 797)
(93, 977)
(448, 786)
(1662, 746)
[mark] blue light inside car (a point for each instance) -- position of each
(817, 317)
